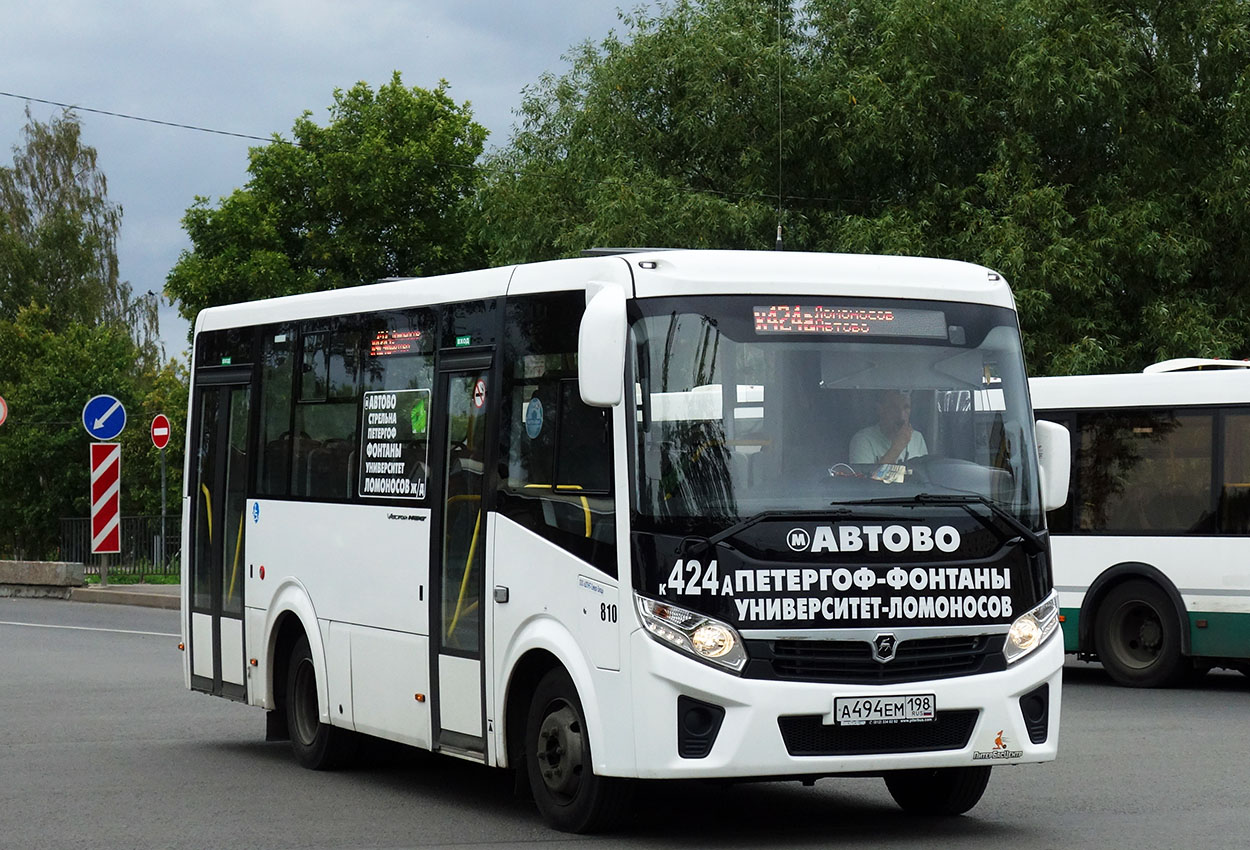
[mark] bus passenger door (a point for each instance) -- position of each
(460, 555)
(218, 491)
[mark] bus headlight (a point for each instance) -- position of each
(1032, 628)
(695, 634)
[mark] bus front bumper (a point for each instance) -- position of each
(773, 728)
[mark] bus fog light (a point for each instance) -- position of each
(695, 634)
(1032, 628)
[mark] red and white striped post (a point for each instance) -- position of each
(106, 469)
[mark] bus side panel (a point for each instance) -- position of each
(384, 693)
(1220, 634)
(551, 607)
(1214, 587)
(364, 564)
(357, 575)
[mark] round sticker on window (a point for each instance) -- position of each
(534, 418)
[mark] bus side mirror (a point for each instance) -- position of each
(601, 346)
(1054, 455)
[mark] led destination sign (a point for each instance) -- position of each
(835, 320)
(390, 342)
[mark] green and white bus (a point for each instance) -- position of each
(1152, 547)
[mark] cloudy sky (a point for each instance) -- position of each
(251, 67)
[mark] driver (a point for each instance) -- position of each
(892, 439)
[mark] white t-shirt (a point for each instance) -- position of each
(870, 444)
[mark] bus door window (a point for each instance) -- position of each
(463, 529)
(205, 476)
(235, 506)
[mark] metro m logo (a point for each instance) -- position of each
(798, 539)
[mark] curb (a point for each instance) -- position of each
(141, 598)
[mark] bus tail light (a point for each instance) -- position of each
(695, 634)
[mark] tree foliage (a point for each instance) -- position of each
(70, 329)
(381, 191)
(58, 236)
(47, 373)
(1095, 153)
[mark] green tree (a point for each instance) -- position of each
(47, 373)
(70, 329)
(1094, 153)
(381, 191)
(58, 236)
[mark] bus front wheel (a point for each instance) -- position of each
(945, 791)
(1137, 637)
(569, 795)
(316, 745)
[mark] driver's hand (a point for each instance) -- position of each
(902, 437)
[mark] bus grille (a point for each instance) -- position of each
(807, 735)
(851, 661)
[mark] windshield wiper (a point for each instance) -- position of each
(967, 500)
(703, 543)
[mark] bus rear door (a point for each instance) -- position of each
(218, 491)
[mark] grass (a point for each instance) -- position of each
(121, 578)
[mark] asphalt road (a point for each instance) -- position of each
(100, 747)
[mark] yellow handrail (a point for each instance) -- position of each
(464, 578)
(584, 500)
(208, 504)
(238, 545)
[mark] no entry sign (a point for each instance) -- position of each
(160, 431)
(106, 469)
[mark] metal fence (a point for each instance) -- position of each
(142, 553)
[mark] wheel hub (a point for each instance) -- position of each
(1141, 635)
(560, 751)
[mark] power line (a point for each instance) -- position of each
(144, 120)
(780, 197)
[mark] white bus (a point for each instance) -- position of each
(1151, 547)
(598, 520)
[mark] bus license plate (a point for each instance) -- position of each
(858, 711)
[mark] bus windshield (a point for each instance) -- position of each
(746, 405)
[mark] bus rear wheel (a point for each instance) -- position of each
(942, 791)
(569, 795)
(316, 745)
(1137, 636)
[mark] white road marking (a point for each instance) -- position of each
(88, 629)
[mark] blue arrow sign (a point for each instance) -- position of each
(103, 417)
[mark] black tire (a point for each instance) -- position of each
(568, 793)
(1137, 636)
(941, 791)
(316, 745)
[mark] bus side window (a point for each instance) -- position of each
(556, 479)
(277, 378)
(324, 435)
(1234, 504)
